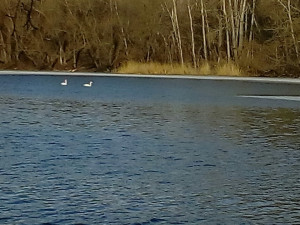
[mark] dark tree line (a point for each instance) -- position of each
(260, 36)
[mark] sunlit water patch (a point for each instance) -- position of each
(287, 98)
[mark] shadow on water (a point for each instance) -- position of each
(87, 159)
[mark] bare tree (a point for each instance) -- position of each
(192, 34)
(203, 18)
(288, 7)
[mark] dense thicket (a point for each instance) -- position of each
(261, 36)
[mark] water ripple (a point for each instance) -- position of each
(81, 161)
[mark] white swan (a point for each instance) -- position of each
(89, 84)
(65, 83)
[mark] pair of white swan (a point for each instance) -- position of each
(65, 83)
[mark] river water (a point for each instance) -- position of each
(148, 151)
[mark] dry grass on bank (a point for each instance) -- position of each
(156, 68)
(224, 69)
(228, 69)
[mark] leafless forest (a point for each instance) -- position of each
(260, 36)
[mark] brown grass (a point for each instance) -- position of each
(225, 69)
(155, 68)
(228, 69)
(205, 69)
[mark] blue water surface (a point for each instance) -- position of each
(147, 151)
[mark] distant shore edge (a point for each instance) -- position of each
(190, 77)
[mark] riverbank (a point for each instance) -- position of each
(144, 68)
(154, 76)
(103, 36)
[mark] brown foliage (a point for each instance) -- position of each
(260, 37)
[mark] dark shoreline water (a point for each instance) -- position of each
(148, 151)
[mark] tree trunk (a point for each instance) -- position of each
(122, 30)
(192, 35)
(227, 31)
(242, 25)
(288, 9)
(3, 54)
(251, 35)
(233, 27)
(204, 31)
(178, 32)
